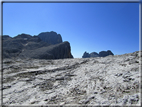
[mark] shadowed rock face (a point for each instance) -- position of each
(95, 54)
(27, 46)
(58, 51)
(50, 37)
(6, 37)
(24, 36)
(12, 47)
(86, 55)
(105, 53)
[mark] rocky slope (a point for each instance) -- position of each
(111, 80)
(95, 54)
(27, 46)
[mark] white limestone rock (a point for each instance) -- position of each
(112, 80)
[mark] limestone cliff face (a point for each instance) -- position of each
(27, 46)
(58, 51)
(50, 37)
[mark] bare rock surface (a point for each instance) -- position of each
(111, 80)
(27, 46)
(50, 37)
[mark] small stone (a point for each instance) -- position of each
(118, 74)
(102, 92)
(62, 103)
(126, 80)
(46, 100)
(125, 101)
(95, 92)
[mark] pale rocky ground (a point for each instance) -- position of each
(112, 80)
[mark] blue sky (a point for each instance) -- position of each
(91, 27)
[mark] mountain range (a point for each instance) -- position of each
(95, 54)
(46, 45)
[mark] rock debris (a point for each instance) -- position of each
(111, 80)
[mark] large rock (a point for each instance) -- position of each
(50, 37)
(95, 54)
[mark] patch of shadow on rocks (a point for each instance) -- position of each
(64, 79)
(8, 62)
(34, 102)
(8, 79)
(46, 85)
(76, 91)
(55, 99)
(6, 87)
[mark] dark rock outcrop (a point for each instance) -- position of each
(86, 55)
(50, 37)
(58, 51)
(95, 54)
(105, 53)
(6, 37)
(27, 46)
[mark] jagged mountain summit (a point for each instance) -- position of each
(27, 46)
(95, 54)
(51, 38)
(105, 53)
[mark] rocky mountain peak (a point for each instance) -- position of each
(50, 37)
(6, 37)
(95, 54)
(50, 46)
(105, 53)
(23, 35)
(86, 55)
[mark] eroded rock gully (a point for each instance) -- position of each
(112, 80)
